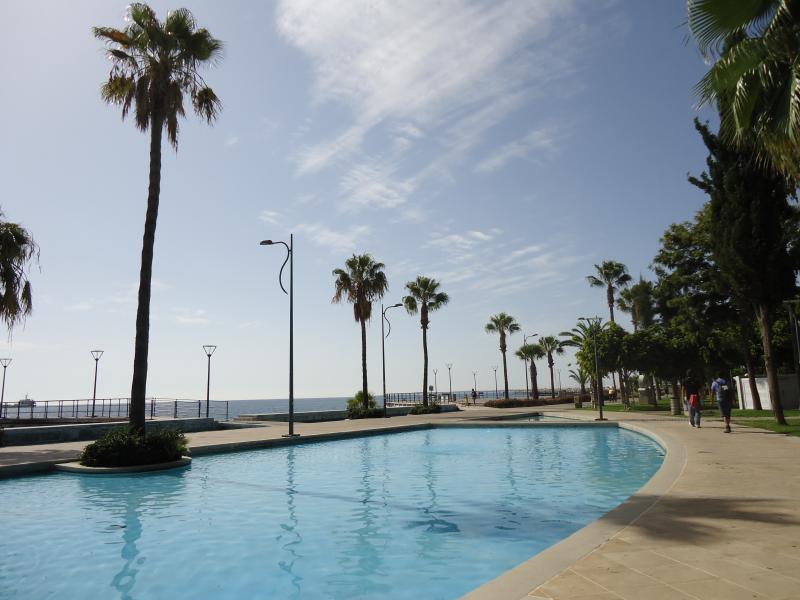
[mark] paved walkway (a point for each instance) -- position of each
(724, 523)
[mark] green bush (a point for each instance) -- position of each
(421, 409)
(121, 447)
(356, 410)
(517, 403)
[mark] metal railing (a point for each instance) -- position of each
(461, 397)
(110, 409)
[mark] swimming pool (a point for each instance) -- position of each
(422, 514)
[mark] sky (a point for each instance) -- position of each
(502, 146)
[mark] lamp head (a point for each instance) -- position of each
(209, 349)
(396, 305)
(96, 354)
(266, 243)
(5, 362)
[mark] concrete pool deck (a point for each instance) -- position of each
(720, 519)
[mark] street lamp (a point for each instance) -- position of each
(475, 380)
(383, 348)
(209, 349)
(5, 362)
(594, 323)
(96, 354)
(496, 391)
(290, 293)
(435, 383)
(450, 378)
(525, 360)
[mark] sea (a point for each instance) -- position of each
(240, 407)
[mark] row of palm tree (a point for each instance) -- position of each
(362, 281)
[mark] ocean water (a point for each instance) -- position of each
(423, 514)
(239, 407)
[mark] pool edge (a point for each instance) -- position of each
(518, 582)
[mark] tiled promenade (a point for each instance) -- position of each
(720, 520)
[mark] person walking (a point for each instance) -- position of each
(474, 396)
(724, 394)
(691, 394)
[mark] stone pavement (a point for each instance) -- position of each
(720, 520)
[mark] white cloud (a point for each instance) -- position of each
(270, 216)
(542, 140)
(191, 316)
(80, 307)
(370, 186)
(334, 240)
(231, 141)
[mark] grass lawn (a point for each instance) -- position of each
(663, 405)
(748, 412)
(793, 428)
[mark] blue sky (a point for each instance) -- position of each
(503, 147)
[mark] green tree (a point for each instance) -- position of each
(424, 296)
(504, 325)
(753, 44)
(17, 252)
(754, 238)
(532, 353)
(154, 66)
(637, 300)
(580, 376)
(360, 283)
(551, 345)
(611, 275)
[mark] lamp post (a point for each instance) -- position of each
(435, 382)
(290, 293)
(450, 378)
(5, 362)
(209, 350)
(594, 323)
(383, 348)
(496, 390)
(525, 360)
(96, 354)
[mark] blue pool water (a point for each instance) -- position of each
(423, 514)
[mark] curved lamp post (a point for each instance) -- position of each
(290, 293)
(450, 378)
(595, 322)
(96, 354)
(525, 360)
(383, 348)
(209, 350)
(5, 362)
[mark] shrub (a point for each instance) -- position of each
(421, 409)
(517, 403)
(356, 410)
(121, 447)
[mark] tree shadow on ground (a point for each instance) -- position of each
(688, 520)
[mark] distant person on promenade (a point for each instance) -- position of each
(691, 395)
(722, 390)
(474, 396)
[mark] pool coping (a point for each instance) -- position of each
(518, 582)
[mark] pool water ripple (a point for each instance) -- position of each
(430, 514)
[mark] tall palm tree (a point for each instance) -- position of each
(637, 300)
(611, 275)
(551, 345)
(532, 353)
(154, 67)
(361, 282)
(581, 377)
(424, 296)
(17, 251)
(504, 325)
(580, 335)
(754, 76)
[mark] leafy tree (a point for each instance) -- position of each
(504, 325)
(17, 251)
(580, 376)
(532, 353)
(360, 283)
(754, 47)
(551, 345)
(754, 238)
(154, 66)
(637, 300)
(423, 297)
(579, 337)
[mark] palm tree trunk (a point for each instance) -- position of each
(676, 402)
(749, 365)
(534, 387)
(136, 416)
(764, 318)
(552, 382)
(364, 391)
(424, 365)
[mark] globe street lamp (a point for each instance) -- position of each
(525, 360)
(96, 354)
(383, 348)
(450, 378)
(209, 350)
(290, 293)
(594, 323)
(5, 362)
(496, 391)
